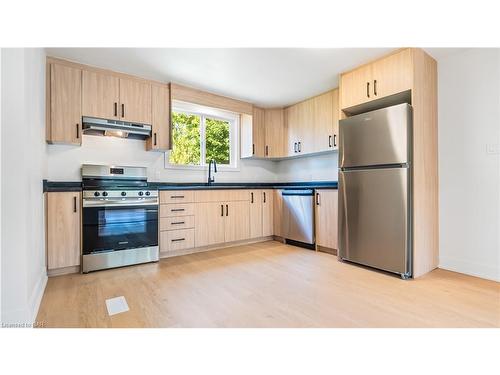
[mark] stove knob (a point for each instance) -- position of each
(141, 194)
(96, 194)
(104, 193)
(123, 193)
(148, 193)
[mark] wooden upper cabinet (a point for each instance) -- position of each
(293, 129)
(327, 218)
(135, 101)
(258, 133)
(305, 141)
(64, 109)
(275, 133)
(392, 74)
(100, 95)
(386, 76)
(160, 138)
(325, 119)
(63, 229)
(355, 86)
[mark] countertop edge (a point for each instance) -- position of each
(62, 186)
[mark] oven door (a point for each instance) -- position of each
(115, 227)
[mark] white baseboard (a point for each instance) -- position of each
(37, 295)
(482, 270)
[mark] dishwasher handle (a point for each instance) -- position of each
(302, 192)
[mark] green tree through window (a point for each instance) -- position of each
(187, 130)
(185, 139)
(217, 140)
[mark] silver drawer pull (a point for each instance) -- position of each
(177, 196)
(178, 239)
(178, 222)
(177, 209)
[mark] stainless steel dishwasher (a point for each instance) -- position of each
(298, 216)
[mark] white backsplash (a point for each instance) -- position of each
(64, 164)
(309, 168)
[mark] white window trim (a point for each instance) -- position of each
(234, 130)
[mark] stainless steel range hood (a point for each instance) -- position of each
(115, 128)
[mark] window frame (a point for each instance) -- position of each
(217, 114)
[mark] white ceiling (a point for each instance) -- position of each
(267, 77)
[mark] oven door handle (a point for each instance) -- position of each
(119, 203)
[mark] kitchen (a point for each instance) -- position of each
(141, 175)
(294, 187)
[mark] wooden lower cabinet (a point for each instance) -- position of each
(209, 223)
(237, 221)
(277, 213)
(327, 218)
(256, 215)
(267, 197)
(63, 229)
(237, 215)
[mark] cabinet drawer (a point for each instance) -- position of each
(176, 222)
(222, 195)
(170, 210)
(176, 196)
(176, 240)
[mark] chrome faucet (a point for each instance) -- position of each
(210, 177)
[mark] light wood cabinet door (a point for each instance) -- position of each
(392, 74)
(160, 138)
(327, 218)
(267, 197)
(258, 133)
(63, 229)
(306, 126)
(356, 86)
(135, 101)
(278, 213)
(293, 129)
(275, 133)
(65, 113)
(255, 214)
(100, 95)
(237, 223)
(326, 121)
(209, 223)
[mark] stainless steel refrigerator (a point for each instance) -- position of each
(375, 159)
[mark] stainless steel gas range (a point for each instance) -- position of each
(119, 217)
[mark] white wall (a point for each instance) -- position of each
(469, 177)
(23, 166)
(65, 161)
(310, 168)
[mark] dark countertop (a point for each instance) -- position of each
(55, 186)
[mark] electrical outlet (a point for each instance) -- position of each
(493, 149)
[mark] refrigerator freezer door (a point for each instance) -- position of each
(379, 137)
(374, 218)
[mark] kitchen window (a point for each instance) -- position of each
(201, 134)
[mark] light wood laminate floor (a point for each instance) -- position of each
(268, 285)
